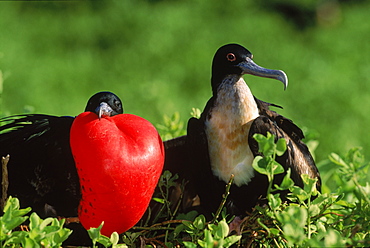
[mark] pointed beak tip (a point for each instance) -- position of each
(103, 110)
(284, 79)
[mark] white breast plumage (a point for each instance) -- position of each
(227, 128)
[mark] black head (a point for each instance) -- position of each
(228, 57)
(104, 104)
(234, 59)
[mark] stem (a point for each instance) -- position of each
(173, 214)
(182, 187)
(4, 181)
(363, 193)
(308, 218)
(227, 192)
(271, 175)
(276, 243)
(166, 204)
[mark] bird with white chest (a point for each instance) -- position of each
(220, 143)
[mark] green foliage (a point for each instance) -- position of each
(97, 237)
(208, 235)
(267, 165)
(172, 127)
(306, 221)
(310, 219)
(39, 233)
(166, 182)
(195, 112)
(1, 92)
(13, 217)
(337, 218)
(354, 172)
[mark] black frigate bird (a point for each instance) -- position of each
(41, 169)
(220, 143)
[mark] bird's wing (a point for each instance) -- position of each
(41, 164)
(175, 150)
(297, 157)
(202, 181)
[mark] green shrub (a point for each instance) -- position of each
(39, 232)
(338, 218)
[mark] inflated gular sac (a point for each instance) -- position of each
(119, 161)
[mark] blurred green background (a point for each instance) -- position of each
(156, 55)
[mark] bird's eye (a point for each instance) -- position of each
(231, 57)
(117, 104)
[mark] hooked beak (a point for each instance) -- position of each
(249, 67)
(104, 110)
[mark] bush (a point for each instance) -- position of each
(337, 218)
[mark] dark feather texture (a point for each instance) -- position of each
(220, 142)
(41, 168)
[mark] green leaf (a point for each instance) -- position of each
(321, 227)
(188, 216)
(224, 228)
(309, 184)
(333, 239)
(229, 241)
(45, 222)
(314, 210)
(104, 240)
(295, 215)
(29, 242)
(266, 144)
(61, 236)
(260, 164)
(275, 168)
(335, 158)
(219, 230)
(12, 223)
(299, 193)
(159, 200)
(287, 182)
(114, 238)
(35, 221)
(200, 222)
(94, 233)
(274, 201)
(195, 112)
(280, 147)
(189, 227)
(188, 244)
(178, 230)
(274, 231)
(208, 239)
(16, 237)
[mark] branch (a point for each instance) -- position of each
(227, 192)
(4, 181)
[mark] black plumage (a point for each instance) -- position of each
(220, 142)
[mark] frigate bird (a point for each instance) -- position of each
(220, 143)
(41, 170)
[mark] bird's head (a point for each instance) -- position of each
(234, 59)
(104, 104)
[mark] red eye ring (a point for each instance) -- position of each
(231, 57)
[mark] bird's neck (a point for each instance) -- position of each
(227, 129)
(234, 98)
